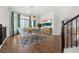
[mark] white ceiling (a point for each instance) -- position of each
(35, 10)
(41, 10)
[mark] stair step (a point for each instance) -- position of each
(71, 50)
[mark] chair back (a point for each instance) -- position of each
(22, 32)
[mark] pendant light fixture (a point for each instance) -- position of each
(30, 20)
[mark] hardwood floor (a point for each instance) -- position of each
(49, 45)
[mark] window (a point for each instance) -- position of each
(24, 22)
(15, 23)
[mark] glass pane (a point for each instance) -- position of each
(15, 23)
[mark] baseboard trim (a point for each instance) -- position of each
(4, 42)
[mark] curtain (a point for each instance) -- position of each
(18, 20)
(30, 21)
(18, 23)
(34, 23)
(12, 23)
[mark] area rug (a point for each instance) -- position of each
(35, 39)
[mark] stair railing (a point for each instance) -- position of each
(66, 44)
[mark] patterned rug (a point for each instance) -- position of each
(35, 39)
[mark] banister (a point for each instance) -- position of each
(62, 37)
(64, 41)
(71, 19)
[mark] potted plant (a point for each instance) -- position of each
(39, 25)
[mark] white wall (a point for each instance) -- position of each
(59, 14)
(5, 18)
(63, 13)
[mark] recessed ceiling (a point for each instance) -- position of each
(34, 10)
